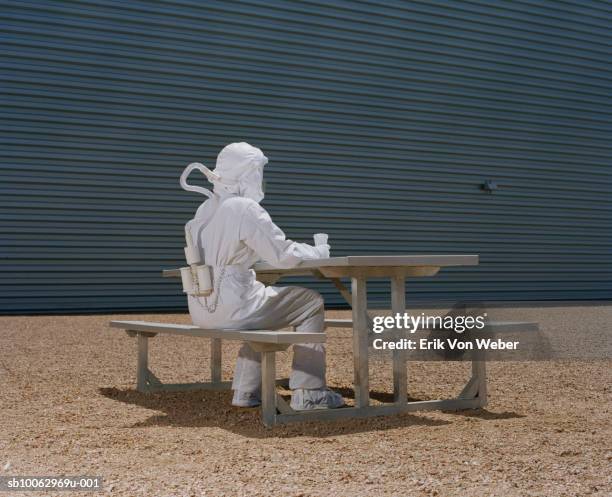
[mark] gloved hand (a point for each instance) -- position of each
(323, 251)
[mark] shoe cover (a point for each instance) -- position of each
(303, 399)
(246, 399)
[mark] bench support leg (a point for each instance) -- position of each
(215, 360)
(400, 374)
(476, 388)
(146, 381)
(268, 387)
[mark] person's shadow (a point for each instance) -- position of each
(205, 408)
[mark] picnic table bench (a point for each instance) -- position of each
(359, 269)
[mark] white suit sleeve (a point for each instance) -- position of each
(269, 242)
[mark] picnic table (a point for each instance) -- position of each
(360, 269)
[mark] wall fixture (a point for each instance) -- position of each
(489, 186)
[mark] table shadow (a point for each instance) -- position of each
(486, 414)
(213, 409)
(385, 397)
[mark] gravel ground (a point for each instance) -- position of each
(68, 407)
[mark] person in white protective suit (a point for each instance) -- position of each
(231, 232)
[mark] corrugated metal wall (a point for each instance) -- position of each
(381, 119)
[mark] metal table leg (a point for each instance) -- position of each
(360, 341)
(143, 362)
(400, 376)
(479, 372)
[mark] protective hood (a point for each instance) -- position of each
(239, 171)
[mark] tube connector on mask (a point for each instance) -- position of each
(210, 176)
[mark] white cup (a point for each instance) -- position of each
(320, 238)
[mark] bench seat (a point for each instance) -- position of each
(259, 336)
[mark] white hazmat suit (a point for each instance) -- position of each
(232, 232)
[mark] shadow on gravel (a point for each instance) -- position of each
(213, 409)
(386, 397)
(487, 415)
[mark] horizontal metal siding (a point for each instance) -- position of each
(381, 119)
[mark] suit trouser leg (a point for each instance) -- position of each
(306, 313)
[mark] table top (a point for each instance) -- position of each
(380, 261)
(366, 261)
